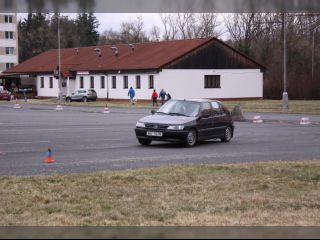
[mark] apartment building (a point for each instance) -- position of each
(8, 41)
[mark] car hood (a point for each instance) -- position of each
(166, 119)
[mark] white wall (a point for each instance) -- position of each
(8, 43)
(235, 83)
(246, 83)
(120, 92)
(46, 91)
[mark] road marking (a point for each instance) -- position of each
(10, 143)
(106, 139)
(13, 131)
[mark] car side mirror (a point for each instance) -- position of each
(153, 111)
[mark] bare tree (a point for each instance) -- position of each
(155, 34)
(170, 26)
(133, 31)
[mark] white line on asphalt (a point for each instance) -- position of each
(8, 131)
(106, 139)
(10, 143)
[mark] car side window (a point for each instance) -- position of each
(216, 107)
(206, 108)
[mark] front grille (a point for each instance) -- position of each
(154, 126)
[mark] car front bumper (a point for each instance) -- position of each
(167, 135)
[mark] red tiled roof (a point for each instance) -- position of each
(152, 55)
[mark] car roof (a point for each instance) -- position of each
(199, 100)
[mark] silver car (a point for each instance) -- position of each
(83, 95)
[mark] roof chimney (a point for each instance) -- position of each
(98, 50)
(116, 51)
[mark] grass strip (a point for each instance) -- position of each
(248, 194)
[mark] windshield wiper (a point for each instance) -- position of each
(163, 113)
(179, 114)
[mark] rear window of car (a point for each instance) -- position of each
(91, 91)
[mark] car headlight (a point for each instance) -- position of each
(176, 127)
(140, 125)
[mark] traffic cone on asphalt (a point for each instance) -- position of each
(49, 158)
(17, 105)
(106, 109)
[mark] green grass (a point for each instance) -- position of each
(273, 106)
(256, 194)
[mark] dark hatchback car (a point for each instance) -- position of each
(188, 121)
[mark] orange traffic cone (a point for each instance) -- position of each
(49, 158)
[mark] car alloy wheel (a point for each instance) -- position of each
(84, 99)
(68, 99)
(227, 135)
(191, 138)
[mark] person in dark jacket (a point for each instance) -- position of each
(154, 98)
(162, 96)
(131, 94)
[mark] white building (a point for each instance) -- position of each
(8, 41)
(196, 68)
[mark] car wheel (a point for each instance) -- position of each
(68, 99)
(191, 139)
(144, 142)
(84, 99)
(227, 135)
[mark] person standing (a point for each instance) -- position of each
(131, 94)
(162, 96)
(154, 97)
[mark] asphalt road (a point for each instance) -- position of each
(86, 140)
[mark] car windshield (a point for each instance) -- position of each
(180, 108)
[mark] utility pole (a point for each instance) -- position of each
(285, 98)
(312, 67)
(59, 107)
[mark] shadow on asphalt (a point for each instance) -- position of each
(156, 144)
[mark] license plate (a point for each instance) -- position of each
(154, 134)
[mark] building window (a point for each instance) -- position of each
(91, 82)
(138, 82)
(9, 65)
(125, 82)
(42, 82)
(9, 35)
(151, 82)
(8, 19)
(212, 81)
(114, 82)
(81, 82)
(51, 82)
(102, 82)
(9, 50)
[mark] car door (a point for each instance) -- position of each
(79, 95)
(219, 119)
(205, 125)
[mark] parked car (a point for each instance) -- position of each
(83, 95)
(188, 121)
(5, 95)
